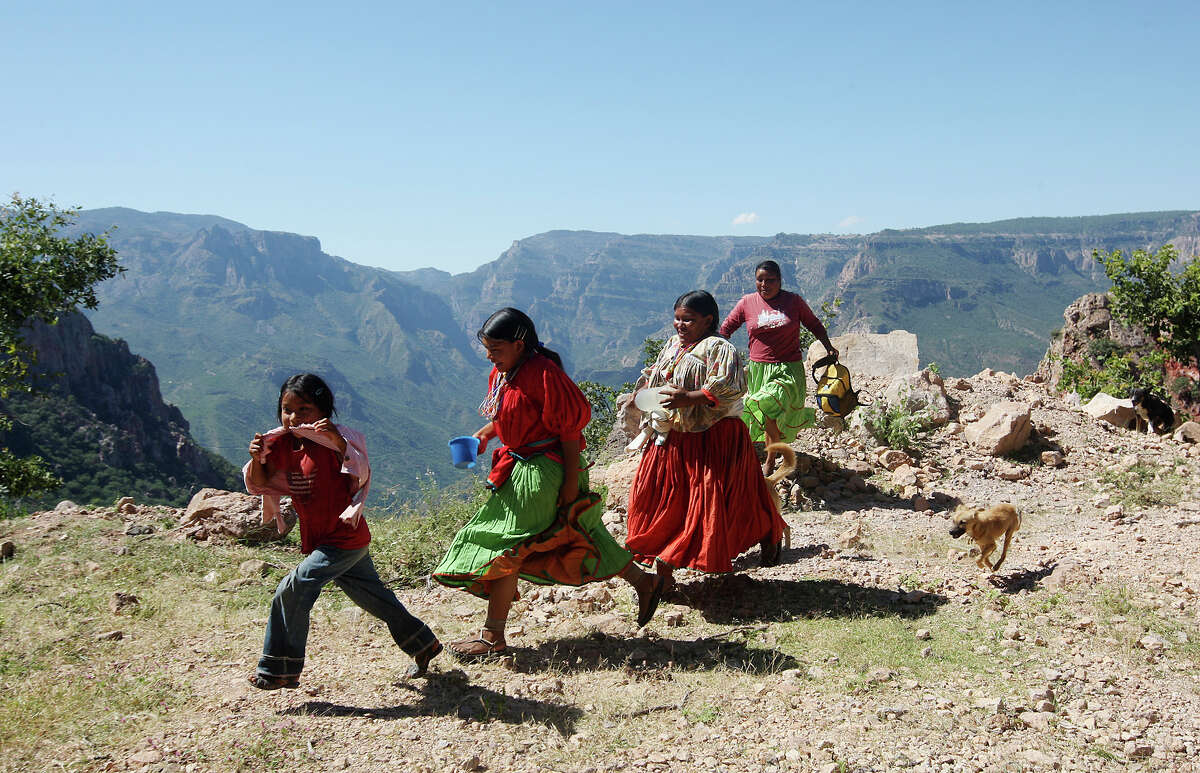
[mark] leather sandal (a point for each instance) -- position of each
(264, 682)
(646, 613)
(771, 552)
(421, 660)
(481, 649)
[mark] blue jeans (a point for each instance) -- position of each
(353, 572)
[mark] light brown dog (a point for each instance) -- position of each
(985, 527)
(783, 471)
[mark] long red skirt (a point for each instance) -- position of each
(700, 500)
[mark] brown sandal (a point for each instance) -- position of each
(421, 661)
(772, 552)
(647, 612)
(489, 649)
(264, 682)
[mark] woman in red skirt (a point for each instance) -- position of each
(699, 498)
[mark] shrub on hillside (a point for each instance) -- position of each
(1118, 376)
(1148, 293)
(896, 425)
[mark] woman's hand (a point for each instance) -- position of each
(485, 434)
(675, 397)
(569, 491)
(326, 427)
(256, 445)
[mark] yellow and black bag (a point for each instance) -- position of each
(834, 394)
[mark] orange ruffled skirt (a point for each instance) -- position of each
(700, 500)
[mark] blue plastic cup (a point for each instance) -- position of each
(463, 451)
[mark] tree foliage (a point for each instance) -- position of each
(603, 399)
(1148, 292)
(43, 273)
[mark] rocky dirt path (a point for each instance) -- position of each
(877, 644)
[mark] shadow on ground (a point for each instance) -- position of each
(451, 693)
(738, 598)
(1024, 580)
(645, 658)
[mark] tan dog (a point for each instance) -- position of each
(985, 527)
(784, 470)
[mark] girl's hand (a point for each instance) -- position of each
(256, 445)
(485, 433)
(327, 428)
(569, 491)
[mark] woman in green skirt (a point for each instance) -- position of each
(774, 402)
(541, 524)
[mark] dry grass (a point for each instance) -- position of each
(747, 649)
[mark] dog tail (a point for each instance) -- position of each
(789, 462)
(1008, 535)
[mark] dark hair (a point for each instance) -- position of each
(701, 302)
(770, 267)
(312, 388)
(511, 324)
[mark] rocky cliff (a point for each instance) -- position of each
(101, 422)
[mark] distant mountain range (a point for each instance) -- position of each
(226, 312)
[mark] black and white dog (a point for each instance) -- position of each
(1157, 415)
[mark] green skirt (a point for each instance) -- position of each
(520, 530)
(776, 390)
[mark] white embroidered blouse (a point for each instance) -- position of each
(712, 365)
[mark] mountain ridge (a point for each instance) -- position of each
(227, 312)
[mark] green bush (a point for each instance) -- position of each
(1118, 376)
(1101, 349)
(896, 426)
(1149, 293)
(1186, 388)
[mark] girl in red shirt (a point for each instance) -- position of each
(323, 467)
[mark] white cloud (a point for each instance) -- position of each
(746, 218)
(849, 222)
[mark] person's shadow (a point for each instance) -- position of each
(649, 657)
(451, 694)
(739, 598)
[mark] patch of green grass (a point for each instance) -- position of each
(1145, 485)
(1114, 600)
(40, 713)
(702, 715)
(1102, 753)
(1050, 602)
(862, 644)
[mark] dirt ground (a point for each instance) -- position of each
(877, 644)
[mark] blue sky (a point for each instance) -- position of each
(408, 135)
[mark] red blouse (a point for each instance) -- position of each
(538, 403)
(320, 492)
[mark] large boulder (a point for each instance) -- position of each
(923, 391)
(1114, 410)
(215, 513)
(880, 355)
(617, 477)
(1087, 320)
(1188, 432)
(1003, 429)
